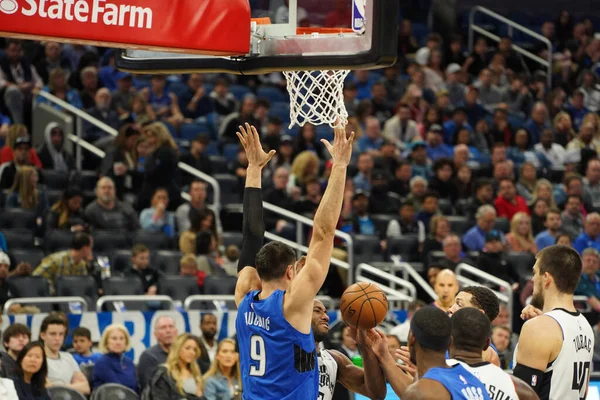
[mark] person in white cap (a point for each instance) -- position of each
(456, 89)
(6, 289)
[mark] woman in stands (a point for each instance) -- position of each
(520, 238)
(563, 129)
(543, 190)
(439, 228)
(67, 213)
(539, 209)
(121, 161)
(26, 194)
(527, 181)
(201, 221)
(6, 154)
(156, 218)
(160, 167)
(563, 239)
(307, 140)
(179, 378)
(57, 86)
(114, 366)
(304, 167)
(32, 372)
(223, 380)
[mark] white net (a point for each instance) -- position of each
(317, 97)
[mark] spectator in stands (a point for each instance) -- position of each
(165, 333)
(72, 262)
(360, 221)
(33, 372)
(527, 181)
(429, 210)
(489, 94)
(89, 81)
(180, 376)
(536, 124)
(590, 278)
(121, 162)
(14, 339)
(307, 141)
(67, 213)
(122, 97)
(585, 139)
(577, 109)
(114, 366)
(401, 129)
(208, 258)
(7, 290)
(58, 86)
(102, 111)
(208, 329)
(420, 163)
(16, 131)
(279, 196)
(446, 287)
(18, 80)
(517, 95)
(141, 112)
(62, 367)
(163, 102)
(197, 158)
(240, 164)
(107, 212)
(464, 182)
(539, 208)
(493, 259)
(418, 189)
(311, 200)
(563, 129)
(453, 254)
(195, 102)
(407, 224)
(223, 101)
(160, 167)
(53, 154)
(202, 220)
(140, 267)
(197, 202)
(456, 89)
(508, 202)
(229, 126)
(82, 344)
(521, 152)
(372, 140)
(591, 234)
(365, 164)
(520, 238)
(382, 109)
(592, 182)
(483, 194)
(304, 167)
(478, 59)
(543, 190)
(401, 182)
(27, 194)
(189, 267)
(572, 217)
(53, 59)
(224, 377)
(439, 227)
(441, 182)
(156, 218)
(401, 330)
(501, 338)
(348, 347)
(436, 148)
(474, 239)
(549, 236)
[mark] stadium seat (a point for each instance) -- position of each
(272, 94)
(219, 164)
(64, 393)
(28, 254)
(111, 391)
(167, 261)
(55, 179)
(16, 218)
(18, 238)
(229, 188)
(502, 225)
(212, 149)
(122, 285)
(88, 371)
(57, 239)
(83, 286)
(381, 222)
(178, 287)
(32, 286)
(435, 257)
(219, 285)
(120, 261)
(191, 131)
(232, 238)
(367, 249)
(239, 91)
(522, 264)
(459, 224)
(445, 207)
(324, 132)
(406, 246)
(109, 241)
(178, 88)
(230, 152)
(152, 240)
(54, 196)
(394, 201)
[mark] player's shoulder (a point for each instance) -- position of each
(543, 326)
(426, 389)
(338, 357)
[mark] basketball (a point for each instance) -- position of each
(363, 305)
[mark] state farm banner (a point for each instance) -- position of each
(217, 27)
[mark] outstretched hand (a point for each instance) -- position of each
(250, 139)
(341, 150)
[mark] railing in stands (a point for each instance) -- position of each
(547, 63)
(391, 279)
(408, 272)
(46, 300)
(134, 298)
(506, 296)
(82, 115)
(300, 219)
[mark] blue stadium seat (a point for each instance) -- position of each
(191, 131)
(270, 93)
(420, 31)
(406, 246)
(172, 129)
(229, 188)
(178, 287)
(219, 164)
(111, 391)
(178, 88)
(230, 152)
(367, 249)
(235, 238)
(324, 132)
(16, 218)
(167, 261)
(82, 286)
(152, 240)
(239, 91)
(120, 261)
(219, 284)
(108, 241)
(212, 149)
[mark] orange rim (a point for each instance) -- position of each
(326, 31)
(262, 21)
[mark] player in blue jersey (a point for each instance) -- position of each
(274, 295)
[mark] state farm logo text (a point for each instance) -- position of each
(98, 12)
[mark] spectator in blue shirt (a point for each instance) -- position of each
(156, 218)
(474, 239)
(429, 210)
(195, 102)
(361, 222)
(420, 163)
(82, 343)
(114, 366)
(436, 148)
(577, 109)
(553, 223)
(589, 284)
(57, 86)
(536, 124)
(362, 180)
(474, 110)
(458, 122)
(591, 234)
(371, 141)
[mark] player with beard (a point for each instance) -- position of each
(429, 339)
(334, 367)
(555, 349)
(470, 335)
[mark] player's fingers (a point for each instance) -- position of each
(327, 144)
(243, 131)
(242, 141)
(351, 138)
(270, 155)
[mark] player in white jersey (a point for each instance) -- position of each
(335, 367)
(555, 349)
(471, 335)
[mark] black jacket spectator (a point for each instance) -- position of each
(52, 154)
(196, 158)
(163, 387)
(148, 276)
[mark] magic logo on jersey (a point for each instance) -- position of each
(325, 380)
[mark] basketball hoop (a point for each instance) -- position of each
(317, 97)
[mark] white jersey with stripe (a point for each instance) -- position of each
(328, 369)
(567, 376)
(498, 383)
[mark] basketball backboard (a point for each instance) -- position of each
(292, 35)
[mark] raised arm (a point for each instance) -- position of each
(253, 225)
(308, 282)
